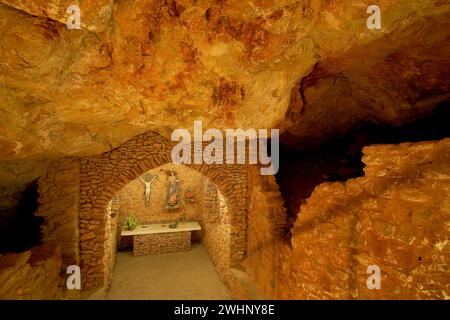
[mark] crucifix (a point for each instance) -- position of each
(148, 180)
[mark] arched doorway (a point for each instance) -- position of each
(103, 176)
(155, 276)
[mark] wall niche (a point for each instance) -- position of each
(131, 200)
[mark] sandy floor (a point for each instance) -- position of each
(183, 275)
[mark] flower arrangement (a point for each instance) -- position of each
(131, 223)
(189, 196)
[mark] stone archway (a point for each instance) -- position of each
(210, 210)
(102, 176)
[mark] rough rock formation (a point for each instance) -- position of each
(38, 269)
(88, 110)
(310, 67)
(396, 216)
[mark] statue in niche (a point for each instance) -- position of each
(148, 180)
(173, 195)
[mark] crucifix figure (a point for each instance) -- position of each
(148, 180)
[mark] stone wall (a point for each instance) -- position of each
(59, 193)
(158, 243)
(131, 199)
(111, 226)
(266, 230)
(75, 193)
(40, 272)
(396, 217)
(31, 275)
(217, 229)
(102, 176)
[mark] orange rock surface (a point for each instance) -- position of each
(311, 68)
(395, 217)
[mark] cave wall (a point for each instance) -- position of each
(312, 67)
(266, 230)
(31, 275)
(396, 216)
(20, 229)
(40, 273)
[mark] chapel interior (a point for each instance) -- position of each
(359, 208)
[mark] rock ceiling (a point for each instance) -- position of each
(311, 68)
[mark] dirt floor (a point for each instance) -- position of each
(182, 275)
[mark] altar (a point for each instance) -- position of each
(161, 237)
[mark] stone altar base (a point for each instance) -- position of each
(158, 243)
